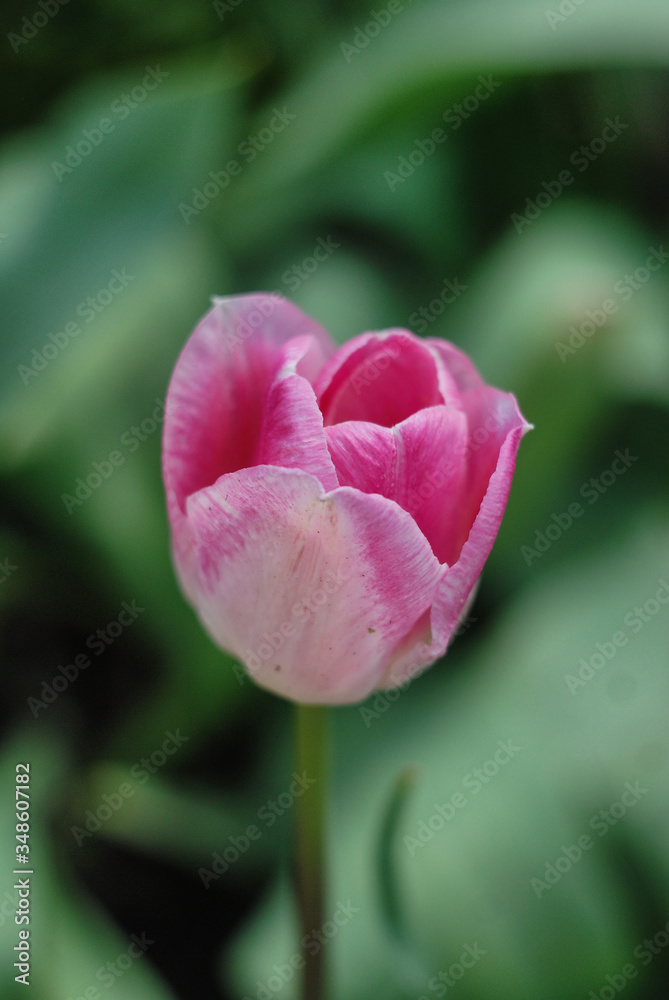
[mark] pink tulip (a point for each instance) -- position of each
(331, 509)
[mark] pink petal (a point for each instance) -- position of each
(458, 581)
(342, 354)
(218, 387)
(292, 434)
(215, 398)
(420, 464)
(379, 378)
(364, 456)
(456, 363)
(431, 465)
(313, 591)
(491, 416)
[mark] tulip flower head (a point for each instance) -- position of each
(331, 509)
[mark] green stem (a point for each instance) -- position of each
(311, 739)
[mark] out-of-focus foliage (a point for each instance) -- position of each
(557, 288)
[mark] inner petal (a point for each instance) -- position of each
(390, 377)
(364, 456)
(292, 433)
(420, 464)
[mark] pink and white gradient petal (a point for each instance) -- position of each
(458, 582)
(420, 464)
(214, 406)
(312, 590)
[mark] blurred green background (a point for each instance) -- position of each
(540, 199)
